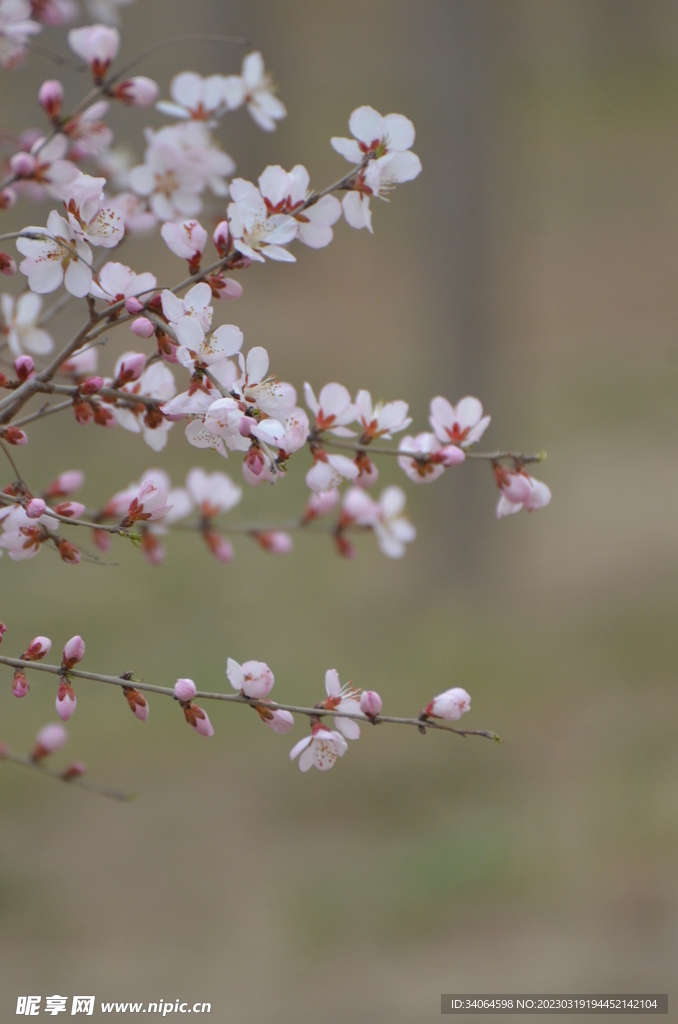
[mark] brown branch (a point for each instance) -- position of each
(26, 762)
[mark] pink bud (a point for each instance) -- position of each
(73, 771)
(24, 367)
(221, 237)
(7, 263)
(224, 287)
(50, 97)
(129, 368)
(142, 327)
(137, 703)
(70, 509)
(370, 703)
(92, 385)
(451, 455)
(3, 630)
(320, 504)
(66, 483)
(35, 508)
(280, 721)
(8, 198)
(132, 305)
(516, 488)
(255, 461)
(74, 651)
(187, 239)
(37, 649)
(23, 165)
(12, 435)
(50, 739)
(221, 548)
(66, 701)
(185, 689)
(369, 474)
(97, 45)
(137, 92)
(198, 720)
(20, 685)
(276, 542)
(245, 427)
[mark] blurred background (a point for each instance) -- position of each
(533, 263)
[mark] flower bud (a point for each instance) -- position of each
(370, 703)
(97, 45)
(66, 483)
(450, 705)
(7, 262)
(20, 685)
(66, 701)
(137, 92)
(280, 721)
(276, 542)
(51, 97)
(3, 630)
(13, 435)
(92, 385)
(22, 164)
(221, 548)
(74, 651)
(8, 198)
(37, 649)
(198, 720)
(137, 703)
(68, 552)
(35, 508)
(319, 504)
(73, 771)
(221, 237)
(50, 739)
(24, 367)
(70, 509)
(185, 689)
(129, 368)
(143, 328)
(369, 474)
(224, 287)
(132, 305)
(451, 455)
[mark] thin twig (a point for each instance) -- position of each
(238, 698)
(26, 762)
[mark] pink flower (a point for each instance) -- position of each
(186, 239)
(319, 750)
(253, 678)
(117, 282)
(149, 503)
(137, 92)
(97, 45)
(213, 493)
(89, 217)
(66, 483)
(285, 192)
(20, 324)
(320, 504)
(74, 651)
(518, 490)
(15, 28)
(253, 229)
(195, 97)
(50, 739)
(450, 705)
(463, 424)
(431, 465)
(185, 689)
(66, 701)
(370, 703)
(342, 698)
(155, 382)
(82, 363)
(329, 471)
(393, 530)
(55, 12)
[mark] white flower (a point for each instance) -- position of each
(330, 471)
(427, 470)
(187, 239)
(342, 698)
(285, 192)
(254, 87)
(49, 170)
(382, 419)
(463, 424)
(254, 230)
(212, 493)
(195, 304)
(88, 133)
(259, 390)
(155, 382)
(393, 530)
(20, 325)
(116, 282)
(97, 45)
(450, 705)
(333, 409)
(15, 28)
(386, 141)
(253, 678)
(99, 224)
(195, 97)
(319, 750)
(61, 256)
